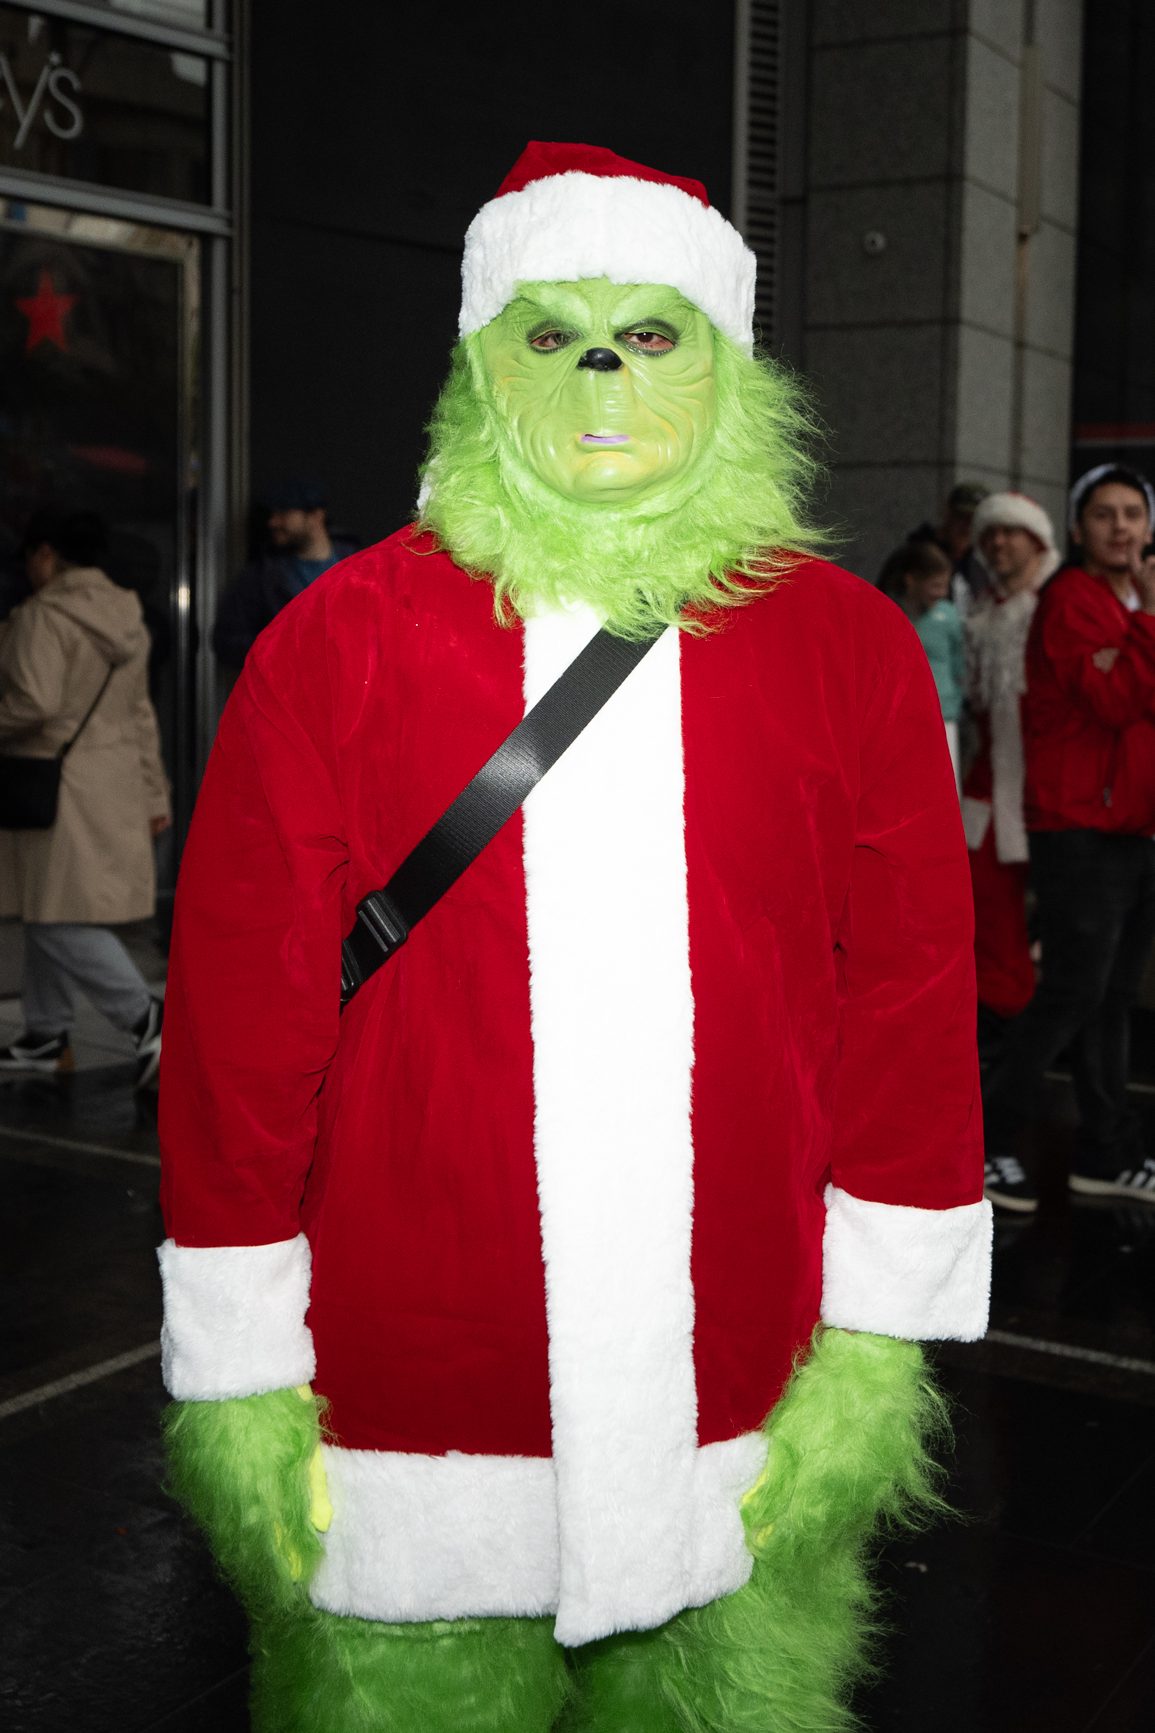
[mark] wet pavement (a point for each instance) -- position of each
(1033, 1612)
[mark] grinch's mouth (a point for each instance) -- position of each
(605, 438)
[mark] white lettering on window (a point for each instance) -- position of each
(50, 100)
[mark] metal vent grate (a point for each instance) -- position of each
(757, 147)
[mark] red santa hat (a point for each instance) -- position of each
(567, 211)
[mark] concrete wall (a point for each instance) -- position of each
(937, 255)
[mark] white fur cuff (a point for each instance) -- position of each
(918, 1274)
(234, 1319)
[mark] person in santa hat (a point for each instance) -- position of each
(1015, 542)
(663, 1120)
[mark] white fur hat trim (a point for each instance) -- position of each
(570, 226)
(1014, 511)
(1087, 482)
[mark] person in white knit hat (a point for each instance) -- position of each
(1015, 541)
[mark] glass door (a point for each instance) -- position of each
(99, 411)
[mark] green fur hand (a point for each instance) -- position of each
(850, 1445)
(246, 1472)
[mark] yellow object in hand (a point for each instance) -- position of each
(320, 1504)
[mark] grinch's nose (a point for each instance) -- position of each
(601, 360)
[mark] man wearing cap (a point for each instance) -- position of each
(1015, 544)
(299, 549)
(664, 1117)
(1089, 739)
(954, 534)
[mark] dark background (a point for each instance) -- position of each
(1114, 384)
(372, 148)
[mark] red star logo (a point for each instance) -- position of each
(45, 312)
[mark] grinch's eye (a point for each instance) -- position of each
(649, 340)
(545, 342)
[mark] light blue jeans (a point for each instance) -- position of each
(62, 956)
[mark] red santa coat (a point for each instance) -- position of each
(685, 1060)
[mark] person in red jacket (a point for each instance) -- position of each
(1089, 737)
(681, 1070)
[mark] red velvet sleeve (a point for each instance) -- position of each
(907, 1244)
(252, 1006)
(908, 1120)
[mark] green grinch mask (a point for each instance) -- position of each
(607, 391)
(609, 445)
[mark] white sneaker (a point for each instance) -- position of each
(148, 1044)
(1133, 1182)
(1007, 1186)
(33, 1053)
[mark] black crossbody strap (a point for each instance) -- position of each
(385, 918)
(63, 751)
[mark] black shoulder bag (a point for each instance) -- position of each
(30, 787)
(385, 918)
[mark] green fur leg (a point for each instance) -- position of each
(777, 1657)
(849, 1448)
(620, 1683)
(240, 1468)
(316, 1673)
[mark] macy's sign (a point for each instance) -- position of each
(50, 101)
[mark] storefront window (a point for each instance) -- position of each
(188, 14)
(86, 104)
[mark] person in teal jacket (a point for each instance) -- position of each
(918, 577)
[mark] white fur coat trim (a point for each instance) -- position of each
(580, 225)
(894, 1270)
(612, 1021)
(997, 633)
(416, 1538)
(234, 1319)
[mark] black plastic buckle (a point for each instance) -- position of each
(378, 931)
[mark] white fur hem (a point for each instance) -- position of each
(234, 1319)
(570, 226)
(919, 1274)
(416, 1538)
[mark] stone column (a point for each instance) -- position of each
(937, 258)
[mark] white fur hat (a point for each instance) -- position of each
(1014, 511)
(567, 211)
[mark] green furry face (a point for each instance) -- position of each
(603, 434)
(709, 529)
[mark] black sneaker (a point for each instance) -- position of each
(148, 1033)
(34, 1052)
(1006, 1185)
(1133, 1182)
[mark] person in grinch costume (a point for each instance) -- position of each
(543, 1328)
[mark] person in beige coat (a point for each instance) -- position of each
(95, 867)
